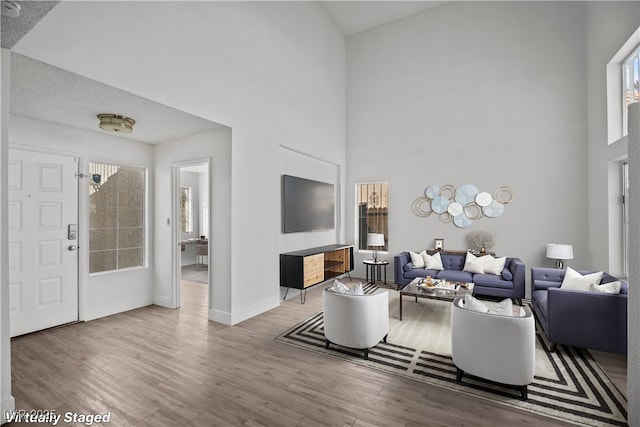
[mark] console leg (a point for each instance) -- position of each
(285, 294)
(303, 296)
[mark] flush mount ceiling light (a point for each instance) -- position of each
(116, 123)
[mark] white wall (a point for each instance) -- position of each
(101, 294)
(215, 146)
(608, 26)
(482, 93)
(7, 402)
(272, 71)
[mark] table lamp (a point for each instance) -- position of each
(375, 240)
(559, 252)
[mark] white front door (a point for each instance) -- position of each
(43, 256)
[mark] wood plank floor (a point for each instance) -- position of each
(161, 367)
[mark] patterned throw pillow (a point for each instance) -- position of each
(606, 288)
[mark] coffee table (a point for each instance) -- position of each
(413, 290)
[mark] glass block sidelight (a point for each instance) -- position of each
(116, 217)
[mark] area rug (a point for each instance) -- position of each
(569, 384)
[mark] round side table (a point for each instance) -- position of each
(376, 269)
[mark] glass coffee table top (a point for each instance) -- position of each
(445, 291)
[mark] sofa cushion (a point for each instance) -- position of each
(453, 262)
(573, 280)
(408, 266)
(432, 262)
(417, 259)
(491, 280)
(539, 298)
(455, 276)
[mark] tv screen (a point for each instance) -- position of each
(307, 205)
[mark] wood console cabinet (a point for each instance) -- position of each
(301, 269)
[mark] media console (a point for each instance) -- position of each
(308, 267)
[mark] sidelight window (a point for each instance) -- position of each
(372, 205)
(116, 221)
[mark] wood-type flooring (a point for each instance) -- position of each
(159, 367)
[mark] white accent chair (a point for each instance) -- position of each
(355, 321)
(495, 347)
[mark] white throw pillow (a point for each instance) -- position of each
(470, 303)
(494, 265)
(577, 282)
(417, 259)
(606, 288)
(504, 307)
(432, 262)
(474, 264)
(341, 288)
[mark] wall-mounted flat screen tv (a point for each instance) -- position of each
(307, 205)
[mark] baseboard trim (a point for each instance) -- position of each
(220, 317)
(97, 312)
(162, 301)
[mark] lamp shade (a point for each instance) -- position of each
(559, 251)
(375, 239)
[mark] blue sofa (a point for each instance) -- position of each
(511, 284)
(584, 319)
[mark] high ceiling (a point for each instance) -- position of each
(49, 93)
(353, 17)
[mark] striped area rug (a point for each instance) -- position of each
(569, 384)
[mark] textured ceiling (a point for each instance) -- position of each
(13, 29)
(49, 93)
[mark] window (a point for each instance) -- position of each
(630, 84)
(186, 220)
(116, 219)
(372, 204)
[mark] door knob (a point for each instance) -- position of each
(72, 247)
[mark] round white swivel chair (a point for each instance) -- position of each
(355, 321)
(496, 347)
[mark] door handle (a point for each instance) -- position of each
(72, 247)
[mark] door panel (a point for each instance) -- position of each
(43, 262)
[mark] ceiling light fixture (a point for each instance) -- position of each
(116, 123)
(10, 8)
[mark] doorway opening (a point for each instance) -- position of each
(192, 228)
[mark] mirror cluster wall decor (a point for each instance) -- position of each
(462, 205)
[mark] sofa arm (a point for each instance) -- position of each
(400, 261)
(587, 319)
(517, 268)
